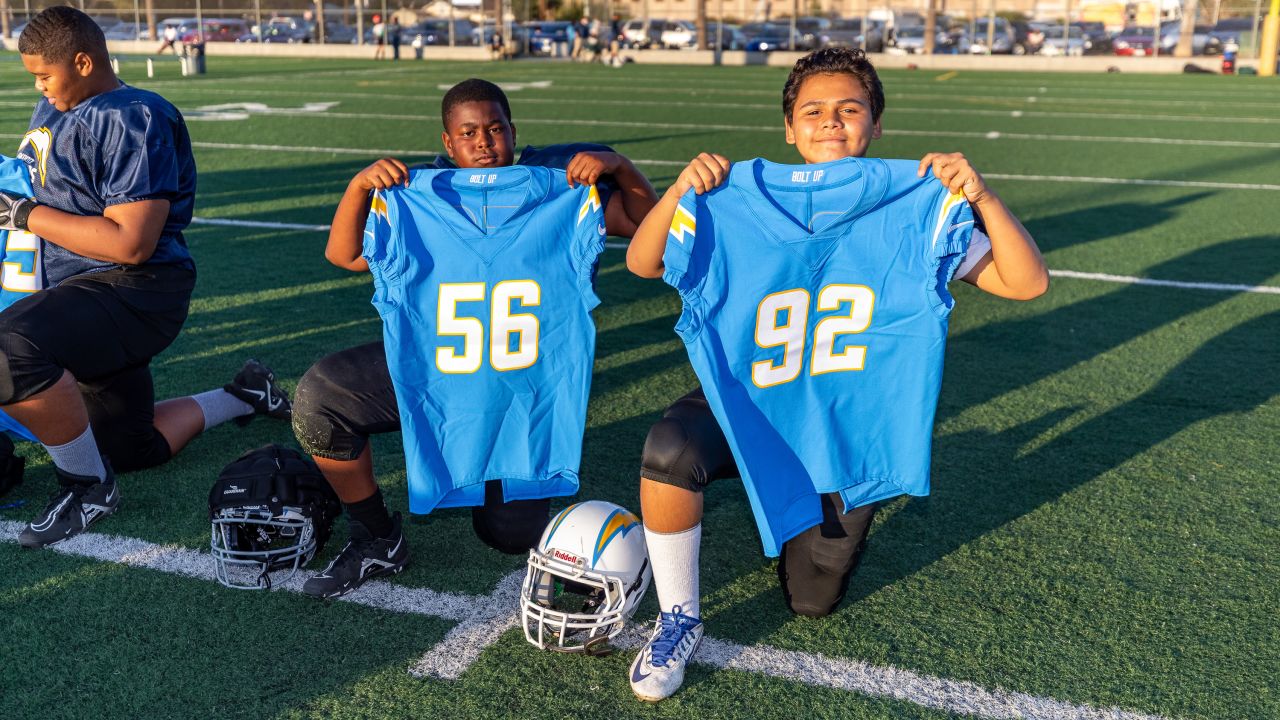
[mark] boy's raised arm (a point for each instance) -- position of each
(635, 196)
(1014, 268)
(346, 234)
(644, 255)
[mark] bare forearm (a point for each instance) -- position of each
(1016, 259)
(638, 196)
(346, 234)
(127, 236)
(644, 254)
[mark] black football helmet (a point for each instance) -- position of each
(271, 509)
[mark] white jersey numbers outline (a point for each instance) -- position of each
(782, 321)
(503, 325)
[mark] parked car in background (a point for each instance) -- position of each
(436, 32)
(639, 33)
(1140, 40)
(678, 35)
(813, 32)
(847, 32)
(124, 31)
(1001, 37)
(1074, 44)
(910, 40)
(216, 30)
(545, 36)
(1203, 41)
(767, 37)
(1097, 39)
(731, 37)
(277, 32)
(1231, 30)
(337, 33)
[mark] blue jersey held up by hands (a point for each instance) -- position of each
(815, 315)
(484, 281)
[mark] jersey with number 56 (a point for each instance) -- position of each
(815, 314)
(485, 283)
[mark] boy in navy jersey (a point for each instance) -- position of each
(114, 186)
(348, 395)
(832, 104)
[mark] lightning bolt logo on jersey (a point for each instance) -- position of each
(484, 281)
(815, 315)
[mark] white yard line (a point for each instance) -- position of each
(482, 620)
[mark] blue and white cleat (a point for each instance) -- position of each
(658, 671)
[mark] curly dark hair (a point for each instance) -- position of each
(59, 33)
(834, 61)
(473, 90)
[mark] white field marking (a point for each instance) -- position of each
(1126, 279)
(465, 641)
(769, 107)
(1135, 181)
(772, 87)
(186, 562)
(1222, 287)
(242, 110)
(258, 224)
(509, 85)
(483, 620)
(1000, 135)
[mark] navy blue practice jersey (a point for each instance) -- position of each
(115, 148)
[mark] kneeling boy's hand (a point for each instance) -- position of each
(586, 167)
(703, 173)
(385, 173)
(954, 170)
(14, 210)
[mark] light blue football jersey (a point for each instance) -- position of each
(19, 251)
(485, 283)
(815, 315)
(20, 274)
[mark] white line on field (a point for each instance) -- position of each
(1216, 119)
(483, 620)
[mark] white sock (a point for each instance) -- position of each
(674, 559)
(79, 457)
(220, 406)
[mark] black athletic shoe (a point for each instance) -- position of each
(363, 558)
(79, 502)
(256, 385)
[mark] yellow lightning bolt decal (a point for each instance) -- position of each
(682, 223)
(592, 203)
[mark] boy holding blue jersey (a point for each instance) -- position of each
(832, 103)
(114, 186)
(348, 395)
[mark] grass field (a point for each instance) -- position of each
(1106, 508)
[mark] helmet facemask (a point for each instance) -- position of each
(566, 604)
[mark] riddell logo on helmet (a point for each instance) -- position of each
(567, 557)
(234, 489)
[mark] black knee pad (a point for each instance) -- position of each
(313, 426)
(815, 566)
(685, 452)
(513, 527)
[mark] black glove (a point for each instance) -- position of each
(14, 210)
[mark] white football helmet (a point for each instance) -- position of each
(585, 578)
